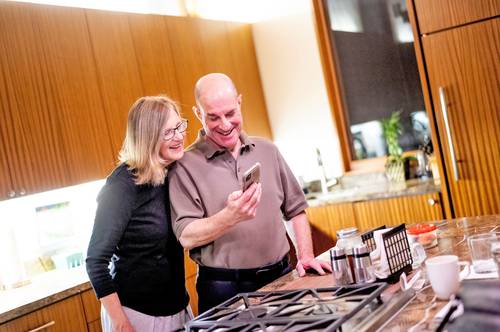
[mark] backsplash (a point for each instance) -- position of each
(46, 231)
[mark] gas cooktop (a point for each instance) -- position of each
(345, 308)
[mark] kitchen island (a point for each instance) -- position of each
(452, 239)
(56, 287)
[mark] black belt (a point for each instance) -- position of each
(261, 273)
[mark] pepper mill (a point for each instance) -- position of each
(363, 270)
(340, 267)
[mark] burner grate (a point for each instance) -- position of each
(321, 309)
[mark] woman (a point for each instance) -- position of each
(134, 261)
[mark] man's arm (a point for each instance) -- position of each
(305, 255)
(240, 206)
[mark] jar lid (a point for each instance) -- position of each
(420, 229)
(346, 232)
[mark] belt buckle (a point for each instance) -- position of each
(261, 272)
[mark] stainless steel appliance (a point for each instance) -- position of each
(343, 308)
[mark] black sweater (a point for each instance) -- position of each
(132, 230)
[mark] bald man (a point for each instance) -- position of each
(237, 238)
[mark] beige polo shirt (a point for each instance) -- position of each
(200, 183)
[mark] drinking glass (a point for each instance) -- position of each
(480, 251)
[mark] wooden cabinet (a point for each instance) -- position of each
(53, 127)
(435, 15)
(92, 310)
(462, 68)
(326, 220)
(66, 315)
(366, 215)
(395, 211)
(6, 186)
(68, 77)
(29, 128)
(191, 269)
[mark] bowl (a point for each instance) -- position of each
(425, 234)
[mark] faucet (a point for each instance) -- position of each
(323, 179)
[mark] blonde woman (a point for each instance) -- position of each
(134, 261)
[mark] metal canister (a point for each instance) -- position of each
(363, 270)
(341, 270)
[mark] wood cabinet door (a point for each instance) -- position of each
(6, 186)
(118, 74)
(434, 15)
(52, 123)
(70, 80)
(154, 55)
(29, 126)
(395, 211)
(66, 315)
(325, 221)
(191, 269)
(464, 74)
(247, 79)
(91, 306)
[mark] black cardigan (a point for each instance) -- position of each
(133, 251)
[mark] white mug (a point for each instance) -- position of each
(444, 274)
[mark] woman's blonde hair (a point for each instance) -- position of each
(144, 137)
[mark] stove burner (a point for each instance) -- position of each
(321, 309)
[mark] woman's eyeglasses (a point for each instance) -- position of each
(170, 133)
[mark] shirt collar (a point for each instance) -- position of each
(210, 149)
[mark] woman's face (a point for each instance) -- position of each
(172, 149)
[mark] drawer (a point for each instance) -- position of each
(434, 15)
(66, 315)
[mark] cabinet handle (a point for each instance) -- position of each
(432, 201)
(11, 194)
(22, 192)
(43, 327)
(444, 109)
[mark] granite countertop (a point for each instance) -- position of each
(452, 235)
(43, 290)
(375, 191)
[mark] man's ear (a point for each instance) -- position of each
(240, 99)
(197, 113)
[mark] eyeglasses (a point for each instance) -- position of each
(181, 128)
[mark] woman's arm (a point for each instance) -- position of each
(115, 205)
(115, 311)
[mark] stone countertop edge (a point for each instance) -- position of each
(41, 303)
(410, 191)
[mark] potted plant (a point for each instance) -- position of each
(391, 129)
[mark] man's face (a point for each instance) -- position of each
(221, 119)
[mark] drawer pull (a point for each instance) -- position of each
(43, 327)
(446, 120)
(432, 201)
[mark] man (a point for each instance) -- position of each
(237, 238)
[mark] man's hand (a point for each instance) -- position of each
(312, 263)
(243, 205)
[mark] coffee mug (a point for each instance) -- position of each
(444, 274)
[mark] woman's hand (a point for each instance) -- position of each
(114, 309)
(122, 324)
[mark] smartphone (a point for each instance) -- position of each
(251, 175)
